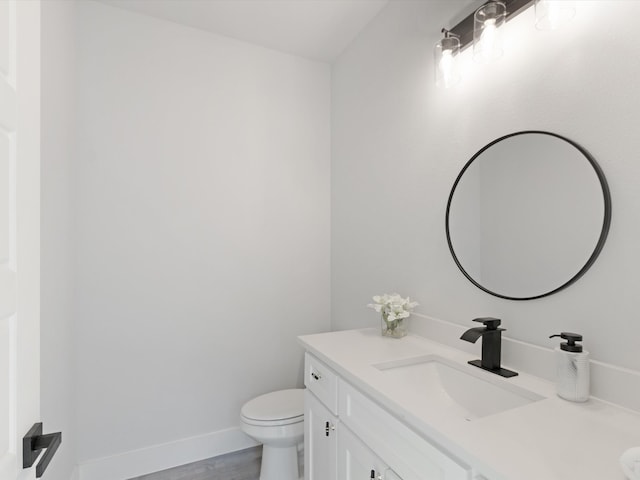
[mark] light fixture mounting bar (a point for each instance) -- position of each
(464, 29)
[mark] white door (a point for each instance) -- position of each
(19, 230)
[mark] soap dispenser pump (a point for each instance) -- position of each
(572, 364)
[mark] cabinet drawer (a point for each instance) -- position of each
(322, 381)
(411, 456)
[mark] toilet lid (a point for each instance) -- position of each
(279, 405)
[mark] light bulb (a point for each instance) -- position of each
(488, 38)
(487, 41)
(553, 14)
(446, 68)
(446, 62)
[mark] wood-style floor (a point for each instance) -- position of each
(243, 465)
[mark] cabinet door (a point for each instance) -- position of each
(320, 440)
(356, 461)
(409, 455)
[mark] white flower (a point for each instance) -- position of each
(393, 307)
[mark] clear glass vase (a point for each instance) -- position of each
(394, 328)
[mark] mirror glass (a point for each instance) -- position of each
(528, 215)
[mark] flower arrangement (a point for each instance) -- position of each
(394, 310)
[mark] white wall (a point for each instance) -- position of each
(398, 144)
(58, 379)
(202, 207)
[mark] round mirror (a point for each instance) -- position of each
(528, 215)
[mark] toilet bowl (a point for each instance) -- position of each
(276, 420)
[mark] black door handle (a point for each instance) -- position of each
(33, 442)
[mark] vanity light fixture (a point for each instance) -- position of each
(446, 60)
(487, 35)
(482, 30)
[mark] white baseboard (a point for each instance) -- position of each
(167, 455)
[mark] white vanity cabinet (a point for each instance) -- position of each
(401, 408)
(350, 437)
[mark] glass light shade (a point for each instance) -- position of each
(446, 62)
(553, 14)
(487, 34)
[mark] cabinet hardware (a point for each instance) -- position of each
(33, 442)
(315, 376)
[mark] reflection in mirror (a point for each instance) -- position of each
(528, 215)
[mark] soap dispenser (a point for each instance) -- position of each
(572, 364)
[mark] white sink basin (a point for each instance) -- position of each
(461, 390)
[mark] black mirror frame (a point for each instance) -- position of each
(606, 222)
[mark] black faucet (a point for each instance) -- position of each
(491, 345)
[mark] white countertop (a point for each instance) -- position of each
(550, 439)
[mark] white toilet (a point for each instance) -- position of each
(276, 420)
